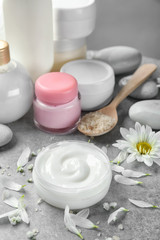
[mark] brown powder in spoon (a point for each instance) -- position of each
(95, 123)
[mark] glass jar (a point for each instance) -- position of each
(57, 107)
(67, 50)
(16, 87)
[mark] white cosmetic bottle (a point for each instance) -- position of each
(29, 31)
(16, 87)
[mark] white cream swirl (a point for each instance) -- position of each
(72, 165)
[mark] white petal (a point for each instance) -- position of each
(10, 214)
(117, 168)
(138, 127)
(7, 183)
(104, 149)
(83, 213)
(125, 181)
(157, 161)
(69, 223)
(131, 157)
(82, 222)
(114, 216)
(121, 157)
(142, 204)
(139, 158)
(9, 199)
(124, 132)
(130, 173)
(148, 132)
(24, 157)
(148, 162)
(24, 215)
(157, 135)
(121, 144)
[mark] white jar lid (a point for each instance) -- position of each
(73, 18)
(66, 45)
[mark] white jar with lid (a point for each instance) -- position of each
(73, 19)
(29, 31)
(73, 22)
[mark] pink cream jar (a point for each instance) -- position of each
(57, 107)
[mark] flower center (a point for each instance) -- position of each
(143, 147)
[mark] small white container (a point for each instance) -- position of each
(96, 82)
(73, 173)
(73, 18)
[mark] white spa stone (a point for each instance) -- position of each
(5, 135)
(122, 59)
(147, 90)
(146, 112)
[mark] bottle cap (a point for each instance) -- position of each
(56, 88)
(4, 52)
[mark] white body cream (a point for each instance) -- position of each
(72, 172)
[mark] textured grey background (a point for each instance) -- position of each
(128, 22)
(139, 224)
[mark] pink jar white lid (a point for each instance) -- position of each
(56, 88)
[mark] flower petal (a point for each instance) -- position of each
(24, 215)
(121, 157)
(117, 168)
(69, 223)
(114, 216)
(83, 213)
(135, 174)
(7, 183)
(139, 158)
(148, 162)
(121, 144)
(157, 161)
(142, 204)
(82, 222)
(124, 132)
(138, 127)
(10, 214)
(131, 157)
(24, 157)
(104, 149)
(9, 199)
(125, 181)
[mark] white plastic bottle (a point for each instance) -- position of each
(29, 31)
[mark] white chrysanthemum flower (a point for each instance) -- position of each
(141, 143)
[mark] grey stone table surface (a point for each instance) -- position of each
(139, 224)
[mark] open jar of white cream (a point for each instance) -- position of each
(76, 173)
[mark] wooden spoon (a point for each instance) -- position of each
(104, 120)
